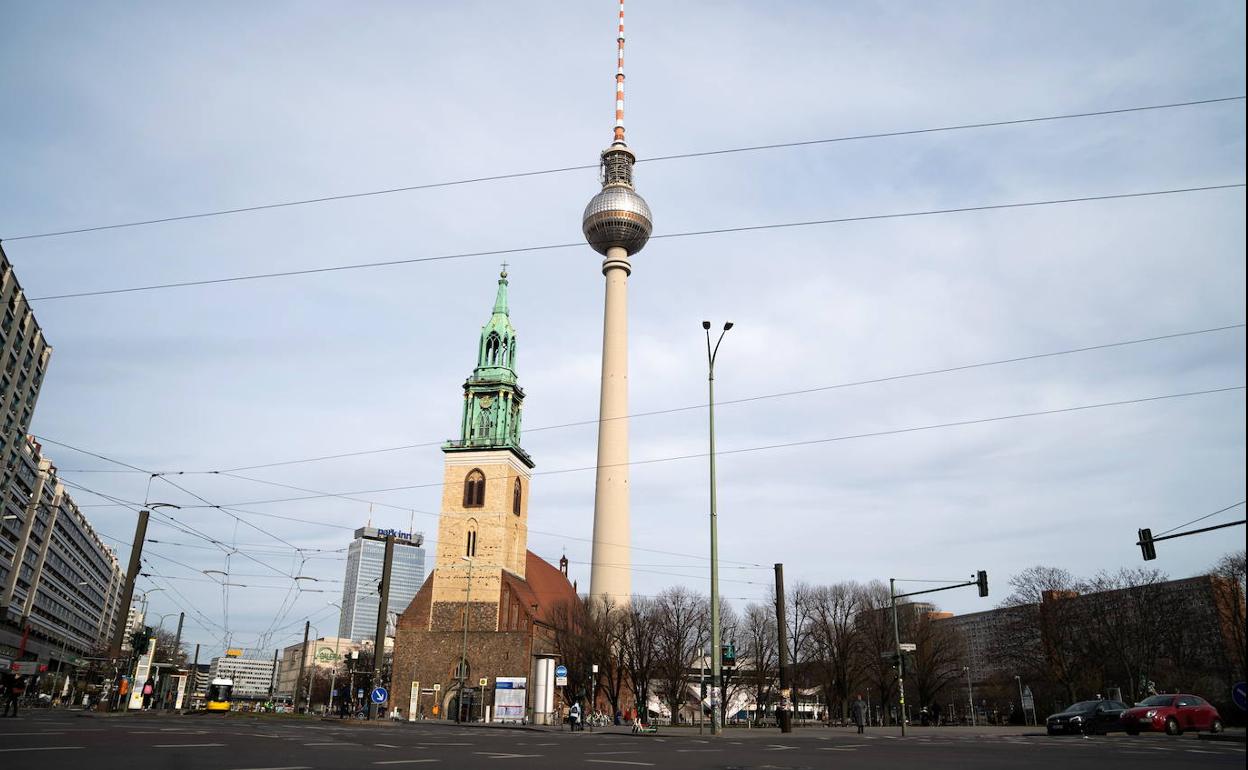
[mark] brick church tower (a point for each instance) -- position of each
(488, 600)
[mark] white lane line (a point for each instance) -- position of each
(332, 743)
(387, 745)
(619, 762)
(499, 755)
(405, 761)
(45, 748)
(599, 753)
(187, 745)
(699, 749)
(292, 767)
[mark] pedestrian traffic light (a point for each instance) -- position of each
(1146, 544)
(981, 580)
(728, 655)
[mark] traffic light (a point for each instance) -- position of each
(981, 580)
(1146, 544)
(139, 641)
(728, 655)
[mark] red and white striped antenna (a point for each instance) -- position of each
(619, 83)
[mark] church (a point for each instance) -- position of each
(485, 611)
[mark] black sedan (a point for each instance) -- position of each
(1087, 717)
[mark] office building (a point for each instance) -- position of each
(252, 678)
(365, 558)
(320, 654)
(24, 357)
(60, 585)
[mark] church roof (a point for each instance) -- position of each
(543, 585)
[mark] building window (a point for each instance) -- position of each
(516, 494)
(470, 540)
(474, 489)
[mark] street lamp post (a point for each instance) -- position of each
(716, 672)
(970, 695)
(333, 674)
(1022, 704)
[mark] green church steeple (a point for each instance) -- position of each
(492, 397)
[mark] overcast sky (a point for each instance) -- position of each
(116, 112)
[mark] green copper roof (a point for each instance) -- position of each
(492, 397)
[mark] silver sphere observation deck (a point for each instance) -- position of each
(617, 216)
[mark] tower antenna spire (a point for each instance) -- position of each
(619, 83)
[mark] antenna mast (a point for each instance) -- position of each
(619, 84)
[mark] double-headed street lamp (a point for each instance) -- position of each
(716, 663)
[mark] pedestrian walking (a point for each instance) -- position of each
(14, 688)
(149, 689)
(574, 716)
(858, 709)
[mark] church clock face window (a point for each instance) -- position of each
(516, 495)
(474, 489)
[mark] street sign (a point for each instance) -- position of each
(437, 688)
(561, 676)
(483, 681)
(908, 646)
(1239, 694)
(378, 695)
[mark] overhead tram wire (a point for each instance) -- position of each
(783, 445)
(657, 236)
(1202, 518)
(654, 159)
(749, 399)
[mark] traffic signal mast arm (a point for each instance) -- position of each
(1147, 540)
(981, 580)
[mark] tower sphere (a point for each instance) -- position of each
(617, 216)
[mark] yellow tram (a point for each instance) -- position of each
(219, 692)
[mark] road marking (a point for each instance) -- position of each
(187, 745)
(835, 748)
(498, 755)
(332, 743)
(597, 753)
(292, 767)
(405, 761)
(45, 748)
(45, 732)
(619, 762)
(699, 749)
(387, 745)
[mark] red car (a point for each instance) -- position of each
(1172, 714)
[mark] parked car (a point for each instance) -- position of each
(1087, 717)
(1172, 714)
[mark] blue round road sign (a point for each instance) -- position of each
(1239, 694)
(378, 695)
(561, 671)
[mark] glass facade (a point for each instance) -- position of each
(365, 558)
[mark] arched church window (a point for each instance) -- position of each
(516, 493)
(461, 670)
(474, 489)
(470, 539)
(491, 348)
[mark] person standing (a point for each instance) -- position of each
(858, 710)
(149, 689)
(14, 688)
(574, 715)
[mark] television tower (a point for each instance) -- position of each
(617, 224)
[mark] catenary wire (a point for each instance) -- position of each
(653, 159)
(749, 399)
(686, 234)
(1202, 518)
(789, 444)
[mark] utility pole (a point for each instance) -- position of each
(379, 640)
(901, 674)
(177, 647)
(194, 678)
(782, 629)
(127, 589)
(716, 664)
(273, 679)
(303, 660)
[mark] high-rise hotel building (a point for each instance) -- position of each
(365, 559)
(23, 361)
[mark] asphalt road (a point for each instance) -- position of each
(49, 740)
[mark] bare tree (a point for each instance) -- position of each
(638, 641)
(875, 639)
(834, 637)
(682, 630)
(937, 659)
(757, 656)
(1229, 594)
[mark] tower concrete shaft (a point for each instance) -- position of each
(617, 223)
(611, 572)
